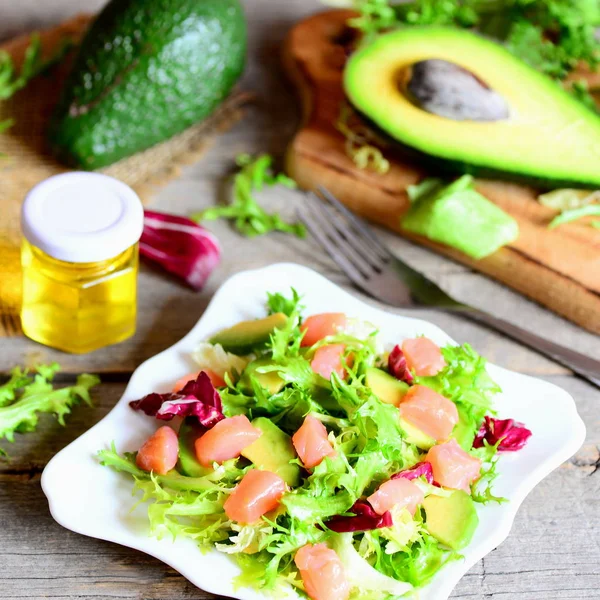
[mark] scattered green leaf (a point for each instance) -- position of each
(249, 218)
(23, 397)
(568, 216)
(33, 65)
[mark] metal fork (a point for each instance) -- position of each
(373, 268)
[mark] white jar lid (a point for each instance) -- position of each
(82, 217)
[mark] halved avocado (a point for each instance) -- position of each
(452, 520)
(248, 335)
(548, 138)
(270, 381)
(385, 386)
(273, 451)
(189, 431)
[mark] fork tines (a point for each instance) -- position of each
(349, 242)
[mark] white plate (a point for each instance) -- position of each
(94, 500)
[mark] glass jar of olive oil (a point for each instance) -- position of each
(80, 261)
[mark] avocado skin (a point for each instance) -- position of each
(452, 168)
(146, 70)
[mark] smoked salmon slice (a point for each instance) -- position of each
(320, 326)
(423, 357)
(225, 440)
(429, 411)
(257, 493)
(311, 442)
(322, 573)
(328, 359)
(452, 466)
(396, 493)
(159, 452)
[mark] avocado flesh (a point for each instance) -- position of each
(189, 431)
(385, 386)
(452, 520)
(273, 451)
(391, 391)
(549, 139)
(249, 335)
(270, 381)
(145, 71)
(413, 435)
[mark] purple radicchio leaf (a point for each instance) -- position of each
(511, 434)
(365, 520)
(180, 246)
(398, 367)
(422, 469)
(198, 398)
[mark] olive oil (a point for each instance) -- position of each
(80, 261)
(78, 307)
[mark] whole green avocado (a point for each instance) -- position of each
(146, 70)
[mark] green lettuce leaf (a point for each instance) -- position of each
(249, 218)
(39, 396)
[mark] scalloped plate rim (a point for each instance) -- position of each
(441, 585)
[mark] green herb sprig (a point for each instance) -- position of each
(23, 397)
(12, 80)
(249, 218)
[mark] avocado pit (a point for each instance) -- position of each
(445, 89)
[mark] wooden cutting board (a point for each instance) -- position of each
(558, 268)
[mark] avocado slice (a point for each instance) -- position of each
(549, 143)
(189, 431)
(272, 451)
(248, 335)
(413, 435)
(385, 386)
(270, 381)
(146, 70)
(452, 520)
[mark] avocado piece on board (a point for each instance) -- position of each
(270, 381)
(451, 520)
(146, 70)
(385, 386)
(189, 431)
(243, 337)
(272, 451)
(459, 216)
(546, 137)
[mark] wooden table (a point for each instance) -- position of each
(554, 549)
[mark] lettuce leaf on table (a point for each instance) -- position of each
(23, 398)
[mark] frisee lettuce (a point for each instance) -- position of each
(24, 397)
(249, 218)
(370, 448)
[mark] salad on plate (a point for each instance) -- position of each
(326, 465)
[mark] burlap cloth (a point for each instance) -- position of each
(26, 161)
